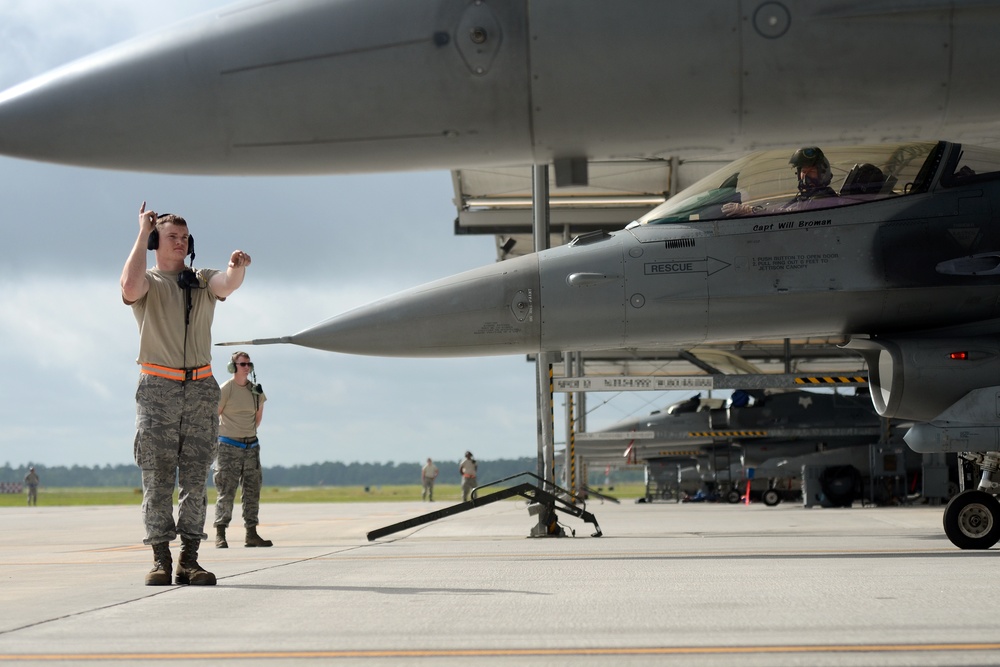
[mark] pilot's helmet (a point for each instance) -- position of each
(812, 156)
(869, 180)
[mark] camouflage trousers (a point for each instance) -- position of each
(177, 426)
(468, 484)
(235, 466)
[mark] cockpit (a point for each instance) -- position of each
(776, 181)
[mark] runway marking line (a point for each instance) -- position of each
(526, 652)
(547, 555)
(643, 554)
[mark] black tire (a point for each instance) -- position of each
(771, 497)
(839, 484)
(733, 497)
(972, 520)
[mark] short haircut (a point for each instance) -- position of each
(171, 219)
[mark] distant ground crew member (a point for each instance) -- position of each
(31, 481)
(467, 468)
(427, 476)
(241, 407)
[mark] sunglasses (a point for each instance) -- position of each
(245, 363)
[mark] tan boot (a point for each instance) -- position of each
(160, 574)
(255, 540)
(220, 538)
(188, 570)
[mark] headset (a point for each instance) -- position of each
(153, 241)
(255, 388)
(188, 279)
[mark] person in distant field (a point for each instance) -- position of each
(31, 481)
(467, 469)
(241, 407)
(427, 476)
(177, 398)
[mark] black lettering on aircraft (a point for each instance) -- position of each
(708, 265)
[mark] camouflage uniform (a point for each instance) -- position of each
(31, 480)
(232, 466)
(176, 431)
(467, 469)
(176, 420)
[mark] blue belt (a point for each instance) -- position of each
(237, 443)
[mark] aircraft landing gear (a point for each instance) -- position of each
(972, 520)
(771, 497)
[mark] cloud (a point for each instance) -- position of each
(38, 36)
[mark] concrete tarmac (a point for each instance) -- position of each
(667, 584)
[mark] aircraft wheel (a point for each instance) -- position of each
(733, 497)
(838, 483)
(771, 497)
(972, 520)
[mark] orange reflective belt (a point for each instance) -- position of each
(178, 374)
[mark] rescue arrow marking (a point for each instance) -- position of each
(708, 265)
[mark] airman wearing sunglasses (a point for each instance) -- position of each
(241, 407)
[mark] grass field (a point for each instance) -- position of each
(64, 497)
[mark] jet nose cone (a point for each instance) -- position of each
(487, 311)
(131, 106)
(288, 87)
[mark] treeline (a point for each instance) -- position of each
(315, 474)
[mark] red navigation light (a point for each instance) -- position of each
(959, 356)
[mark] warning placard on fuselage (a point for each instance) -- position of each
(632, 383)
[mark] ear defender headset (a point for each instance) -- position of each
(231, 367)
(153, 242)
(187, 278)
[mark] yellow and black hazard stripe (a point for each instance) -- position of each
(727, 434)
(833, 379)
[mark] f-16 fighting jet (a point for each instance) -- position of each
(895, 245)
(762, 431)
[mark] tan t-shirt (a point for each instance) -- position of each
(160, 316)
(238, 410)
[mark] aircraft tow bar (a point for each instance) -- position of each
(541, 500)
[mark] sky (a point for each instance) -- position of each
(321, 245)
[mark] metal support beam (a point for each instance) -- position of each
(543, 364)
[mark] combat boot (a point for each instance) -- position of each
(220, 538)
(188, 570)
(255, 540)
(160, 574)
